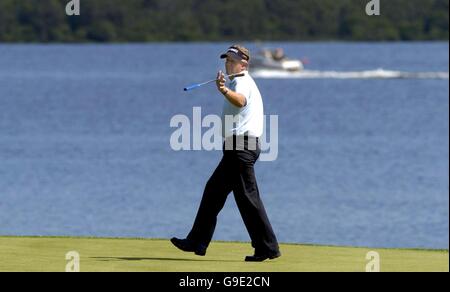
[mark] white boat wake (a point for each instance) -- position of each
(370, 74)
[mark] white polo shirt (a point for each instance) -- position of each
(248, 120)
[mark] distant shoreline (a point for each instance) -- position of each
(337, 41)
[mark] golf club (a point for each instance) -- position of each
(193, 86)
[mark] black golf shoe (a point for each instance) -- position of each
(188, 246)
(260, 257)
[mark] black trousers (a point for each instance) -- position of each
(235, 172)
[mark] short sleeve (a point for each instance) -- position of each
(243, 88)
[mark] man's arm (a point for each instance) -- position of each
(235, 98)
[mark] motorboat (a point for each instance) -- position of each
(275, 60)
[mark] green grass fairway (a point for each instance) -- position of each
(98, 254)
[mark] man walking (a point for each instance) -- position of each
(243, 106)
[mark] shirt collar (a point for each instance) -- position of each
(234, 79)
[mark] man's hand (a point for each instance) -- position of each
(235, 98)
(221, 83)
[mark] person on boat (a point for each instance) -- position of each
(278, 54)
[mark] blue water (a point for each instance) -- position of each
(84, 144)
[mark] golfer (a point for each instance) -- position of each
(235, 173)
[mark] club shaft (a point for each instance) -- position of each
(211, 81)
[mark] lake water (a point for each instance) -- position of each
(84, 143)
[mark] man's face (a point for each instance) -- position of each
(233, 65)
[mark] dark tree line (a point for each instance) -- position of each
(221, 20)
